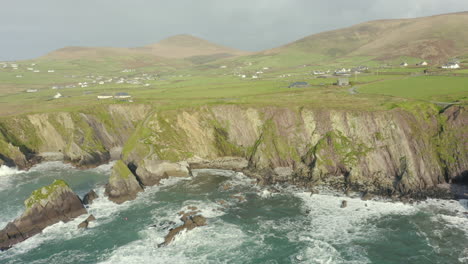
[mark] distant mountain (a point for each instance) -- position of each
(185, 46)
(176, 47)
(434, 38)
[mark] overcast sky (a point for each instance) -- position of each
(31, 28)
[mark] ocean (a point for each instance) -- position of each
(246, 223)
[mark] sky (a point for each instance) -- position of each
(31, 28)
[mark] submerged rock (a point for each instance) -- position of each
(86, 222)
(344, 203)
(46, 206)
(367, 196)
(151, 172)
(123, 185)
(90, 197)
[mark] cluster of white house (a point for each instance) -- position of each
(448, 65)
(342, 71)
(241, 75)
(16, 66)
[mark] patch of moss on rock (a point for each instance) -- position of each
(45, 193)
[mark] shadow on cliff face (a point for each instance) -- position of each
(459, 186)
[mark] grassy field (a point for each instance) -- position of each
(179, 83)
(434, 88)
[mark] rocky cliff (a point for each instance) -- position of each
(85, 138)
(408, 150)
(46, 206)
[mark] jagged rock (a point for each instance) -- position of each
(85, 223)
(151, 172)
(283, 173)
(190, 223)
(367, 196)
(90, 197)
(344, 203)
(123, 185)
(223, 163)
(46, 206)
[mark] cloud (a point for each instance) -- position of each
(31, 28)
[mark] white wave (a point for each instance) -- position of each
(58, 231)
(331, 224)
(104, 168)
(7, 175)
(207, 209)
(7, 171)
(218, 242)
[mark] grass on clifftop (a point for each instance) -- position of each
(179, 85)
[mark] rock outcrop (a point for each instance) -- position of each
(151, 172)
(191, 221)
(123, 185)
(90, 197)
(46, 206)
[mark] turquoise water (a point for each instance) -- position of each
(287, 227)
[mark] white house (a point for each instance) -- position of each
(451, 65)
(223, 67)
(424, 63)
(254, 77)
(31, 91)
(404, 64)
(36, 71)
(58, 95)
(51, 71)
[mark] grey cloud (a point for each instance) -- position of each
(30, 28)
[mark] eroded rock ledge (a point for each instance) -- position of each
(46, 206)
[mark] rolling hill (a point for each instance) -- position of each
(176, 47)
(434, 38)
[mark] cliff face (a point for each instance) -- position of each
(408, 150)
(84, 138)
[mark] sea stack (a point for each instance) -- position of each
(123, 185)
(46, 206)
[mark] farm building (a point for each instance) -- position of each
(343, 81)
(58, 95)
(298, 85)
(31, 91)
(104, 96)
(122, 95)
(423, 63)
(404, 64)
(451, 65)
